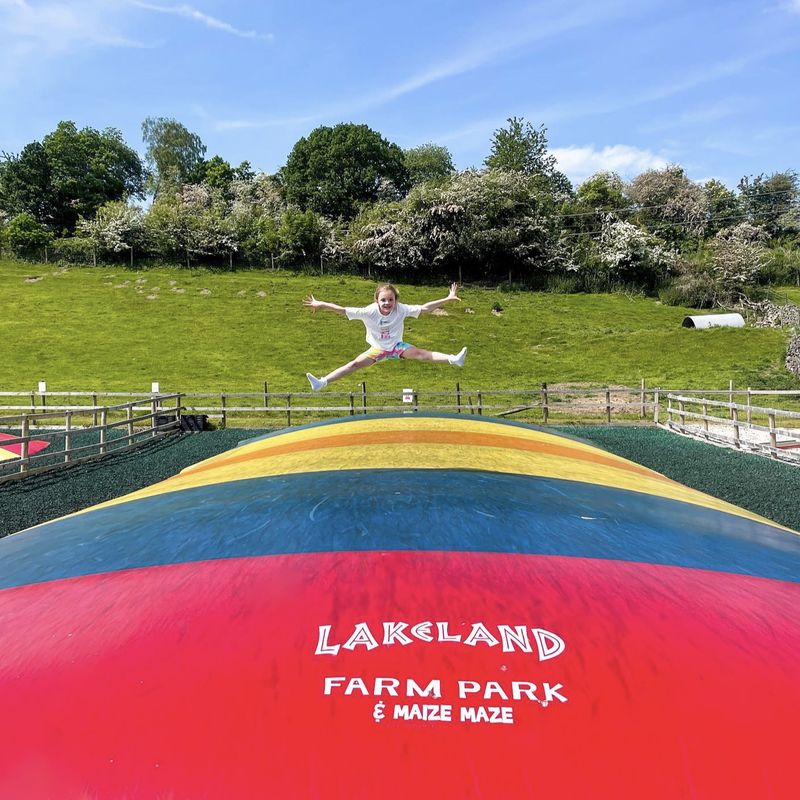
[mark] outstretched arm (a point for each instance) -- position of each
(453, 295)
(314, 304)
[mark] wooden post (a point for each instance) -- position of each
(682, 414)
(94, 412)
(415, 400)
(364, 396)
(103, 430)
(773, 439)
(223, 402)
(480, 404)
(545, 405)
(266, 397)
(736, 439)
(656, 406)
(749, 407)
(33, 402)
(67, 436)
(288, 410)
(129, 415)
(730, 396)
(352, 405)
(705, 418)
(644, 402)
(608, 406)
(23, 448)
(458, 397)
(153, 412)
(669, 411)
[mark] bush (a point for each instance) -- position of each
(26, 237)
(696, 289)
(73, 250)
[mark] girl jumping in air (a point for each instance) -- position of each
(383, 320)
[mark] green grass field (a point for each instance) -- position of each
(115, 329)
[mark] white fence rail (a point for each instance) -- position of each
(743, 426)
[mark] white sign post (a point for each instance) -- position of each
(154, 388)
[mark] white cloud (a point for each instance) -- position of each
(578, 163)
(60, 26)
(32, 35)
(192, 13)
(548, 21)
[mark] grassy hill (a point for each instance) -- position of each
(112, 328)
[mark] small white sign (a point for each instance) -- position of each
(154, 388)
(42, 387)
(408, 395)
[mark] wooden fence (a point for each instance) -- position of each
(79, 432)
(743, 426)
(55, 416)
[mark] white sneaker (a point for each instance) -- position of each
(316, 383)
(458, 359)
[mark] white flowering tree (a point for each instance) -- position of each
(630, 255)
(669, 205)
(738, 255)
(115, 228)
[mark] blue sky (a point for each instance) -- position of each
(712, 86)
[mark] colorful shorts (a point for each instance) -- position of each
(378, 355)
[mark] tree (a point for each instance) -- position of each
(630, 255)
(115, 228)
(476, 225)
(724, 208)
(738, 255)
(25, 185)
(69, 175)
(428, 162)
(596, 198)
(335, 170)
(89, 168)
(771, 202)
(25, 236)
(173, 154)
(522, 148)
(669, 205)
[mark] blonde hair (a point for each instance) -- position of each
(390, 288)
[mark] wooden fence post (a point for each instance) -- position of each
(608, 406)
(364, 396)
(682, 414)
(480, 404)
(67, 435)
(289, 410)
(23, 448)
(656, 406)
(223, 403)
(153, 412)
(730, 396)
(644, 401)
(94, 413)
(545, 404)
(129, 416)
(103, 430)
(773, 439)
(735, 416)
(352, 405)
(749, 407)
(705, 419)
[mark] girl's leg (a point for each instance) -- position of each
(418, 354)
(357, 363)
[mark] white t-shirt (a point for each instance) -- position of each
(384, 332)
